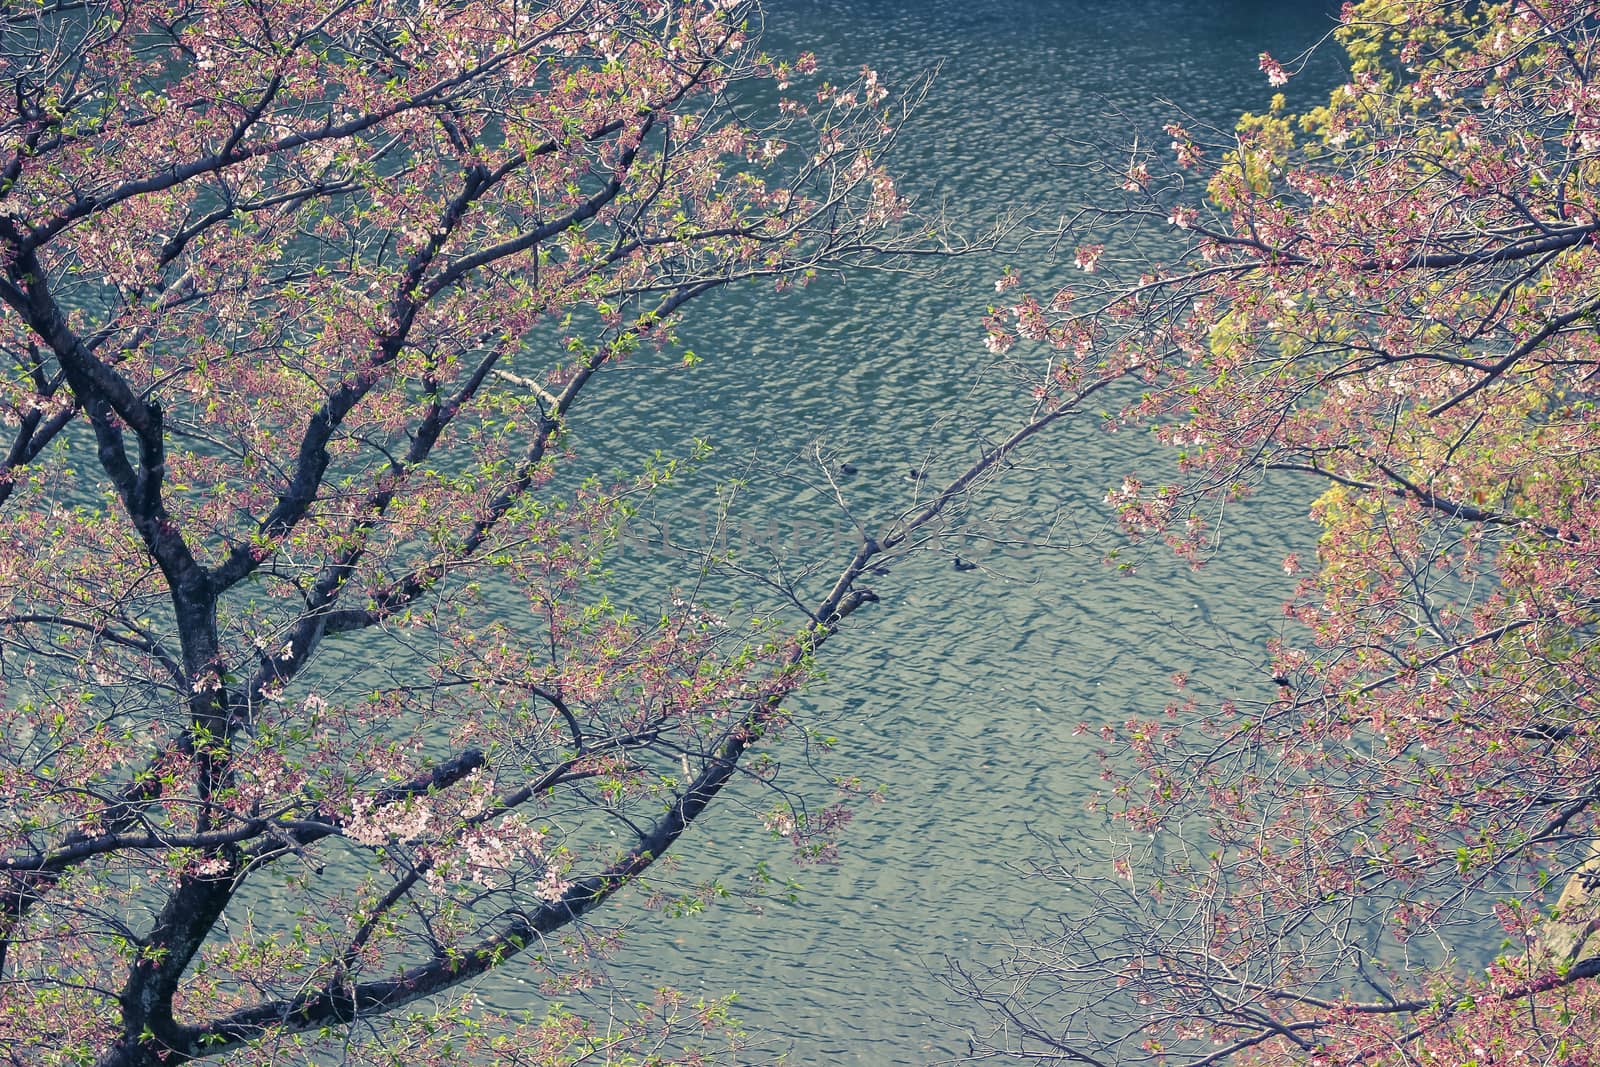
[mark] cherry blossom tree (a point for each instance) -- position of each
(313, 713)
(1380, 853)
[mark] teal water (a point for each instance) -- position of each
(957, 695)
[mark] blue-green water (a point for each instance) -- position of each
(958, 694)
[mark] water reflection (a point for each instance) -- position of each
(958, 694)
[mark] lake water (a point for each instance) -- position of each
(957, 695)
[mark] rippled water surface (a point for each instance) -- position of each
(957, 695)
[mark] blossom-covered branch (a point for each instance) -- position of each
(1379, 853)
